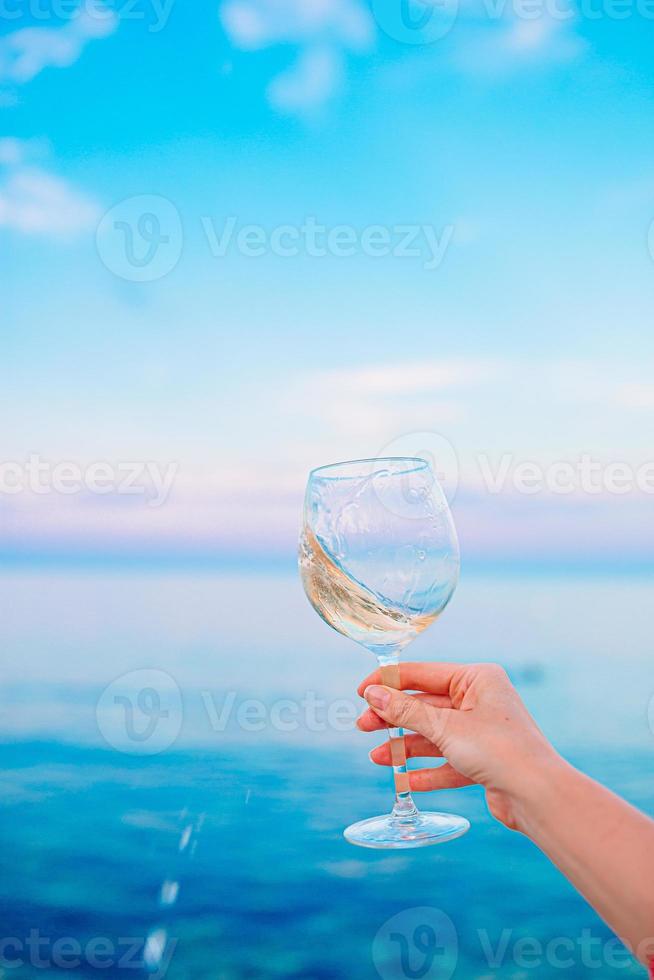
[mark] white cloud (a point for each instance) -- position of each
(530, 35)
(15, 151)
(35, 202)
(547, 38)
(323, 30)
(410, 378)
(588, 383)
(636, 396)
(382, 419)
(32, 200)
(310, 81)
(11, 151)
(256, 24)
(533, 407)
(484, 39)
(27, 52)
(376, 402)
(512, 43)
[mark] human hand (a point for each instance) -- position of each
(471, 716)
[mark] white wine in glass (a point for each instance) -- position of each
(379, 561)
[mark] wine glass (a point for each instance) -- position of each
(379, 561)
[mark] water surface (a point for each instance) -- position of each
(225, 847)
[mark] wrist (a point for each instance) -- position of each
(538, 788)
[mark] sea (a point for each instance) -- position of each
(178, 760)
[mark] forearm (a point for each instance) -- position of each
(602, 844)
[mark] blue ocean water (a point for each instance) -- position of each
(220, 855)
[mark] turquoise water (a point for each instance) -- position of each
(220, 855)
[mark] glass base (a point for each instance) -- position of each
(419, 831)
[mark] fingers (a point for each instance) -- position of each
(403, 711)
(434, 678)
(370, 721)
(445, 777)
(417, 747)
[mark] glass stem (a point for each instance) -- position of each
(404, 808)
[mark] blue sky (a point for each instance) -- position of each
(526, 145)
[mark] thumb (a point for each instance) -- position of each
(404, 711)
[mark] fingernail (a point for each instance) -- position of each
(377, 696)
